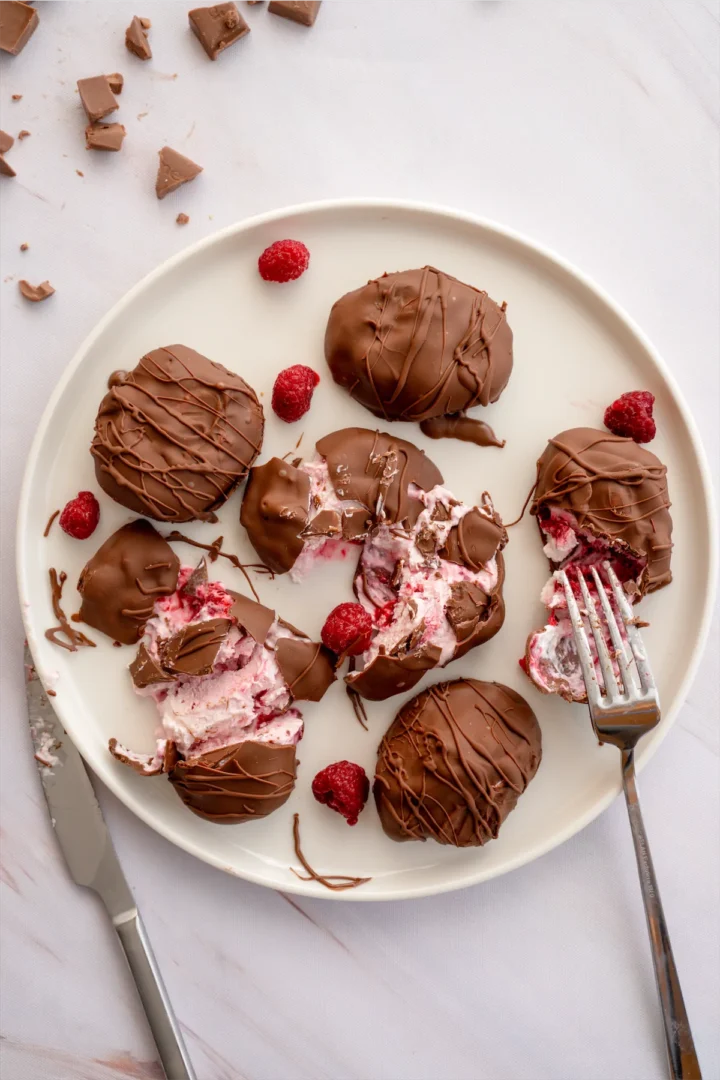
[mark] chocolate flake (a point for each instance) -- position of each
(182, 219)
(6, 142)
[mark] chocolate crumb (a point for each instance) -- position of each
(140, 115)
(115, 82)
(136, 39)
(5, 169)
(17, 97)
(117, 644)
(51, 693)
(6, 142)
(35, 293)
(23, 134)
(182, 219)
(79, 173)
(24, 247)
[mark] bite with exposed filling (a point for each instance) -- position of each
(598, 499)
(225, 674)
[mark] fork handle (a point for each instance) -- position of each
(682, 1059)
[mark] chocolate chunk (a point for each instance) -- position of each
(18, 22)
(36, 293)
(182, 219)
(193, 649)
(6, 141)
(24, 247)
(136, 39)
(96, 96)
(307, 667)
(115, 82)
(173, 171)
(23, 134)
(275, 512)
(217, 27)
(253, 618)
(104, 136)
(304, 12)
(5, 169)
(145, 672)
(198, 577)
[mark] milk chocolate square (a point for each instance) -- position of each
(18, 22)
(97, 98)
(217, 27)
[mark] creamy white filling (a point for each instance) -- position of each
(322, 497)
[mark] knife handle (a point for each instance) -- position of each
(153, 995)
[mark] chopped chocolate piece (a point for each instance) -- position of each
(144, 671)
(307, 667)
(5, 169)
(104, 136)
(193, 649)
(174, 170)
(6, 141)
(96, 96)
(24, 247)
(17, 97)
(136, 40)
(78, 171)
(115, 82)
(304, 12)
(182, 219)
(36, 292)
(18, 22)
(217, 27)
(23, 134)
(326, 523)
(254, 618)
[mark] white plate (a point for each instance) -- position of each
(575, 351)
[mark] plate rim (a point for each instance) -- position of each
(313, 889)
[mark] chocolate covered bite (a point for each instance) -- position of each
(225, 674)
(419, 344)
(598, 498)
(176, 435)
(454, 763)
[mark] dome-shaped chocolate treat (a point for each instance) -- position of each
(176, 435)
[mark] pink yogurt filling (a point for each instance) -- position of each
(566, 544)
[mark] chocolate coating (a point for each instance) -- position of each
(237, 783)
(419, 344)
(307, 667)
(455, 761)
(176, 436)
(616, 490)
(124, 578)
(275, 511)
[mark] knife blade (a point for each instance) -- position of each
(89, 853)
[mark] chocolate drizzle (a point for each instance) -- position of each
(236, 783)
(455, 761)
(419, 344)
(334, 882)
(48, 527)
(176, 436)
(215, 549)
(75, 639)
(461, 427)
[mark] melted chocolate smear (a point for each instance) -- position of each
(461, 427)
(75, 638)
(48, 527)
(214, 550)
(334, 882)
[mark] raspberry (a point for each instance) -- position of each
(631, 416)
(344, 787)
(347, 630)
(81, 515)
(293, 391)
(284, 260)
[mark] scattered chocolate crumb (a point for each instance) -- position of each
(104, 136)
(96, 96)
(79, 172)
(24, 247)
(51, 693)
(136, 39)
(117, 644)
(35, 293)
(48, 527)
(140, 115)
(23, 134)
(182, 219)
(17, 97)
(115, 82)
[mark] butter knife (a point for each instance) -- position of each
(85, 842)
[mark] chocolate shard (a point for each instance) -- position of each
(115, 82)
(326, 523)
(5, 169)
(356, 524)
(104, 136)
(145, 672)
(96, 96)
(198, 577)
(274, 511)
(254, 618)
(217, 27)
(174, 170)
(474, 540)
(136, 39)
(304, 12)
(307, 667)
(18, 22)
(463, 609)
(193, 649)
(388, 675)
(35, 293)
(6, 141)
(237, 783)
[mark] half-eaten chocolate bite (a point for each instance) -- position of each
(598, 498)
(225, 673)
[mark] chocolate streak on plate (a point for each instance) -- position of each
(50, 521)
(6, 142)
(461, 427)
(334, 882)
(213, 551)
(75, 637)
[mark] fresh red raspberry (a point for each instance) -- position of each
(81, 515)
(344, 787)
(347, 630)
(284, 260)
(293, 391)
(631, 416)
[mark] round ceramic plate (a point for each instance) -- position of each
(574, 353)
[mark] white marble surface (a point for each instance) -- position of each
(590, 126)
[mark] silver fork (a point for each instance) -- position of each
(621, 714)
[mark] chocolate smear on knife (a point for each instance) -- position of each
(75, 638)
(334, 882)
(96, 96)
(217, 27)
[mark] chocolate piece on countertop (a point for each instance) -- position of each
(115, 82)
(176, 436)
(173, 170)
(24, 134)
(304, 12)
(454, 762)
(136, 39)
(307, 667)
(237, 783)
(96, 96)
(5, 169)
(193, 649)
(419, 344)
(18, 22)
(6, 141)
(124, 578)
(275, 512)
(35, 293)
(217, 27)
(254, 618)
(104, 136)
(182, 219)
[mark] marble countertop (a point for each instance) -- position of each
(591, 127)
